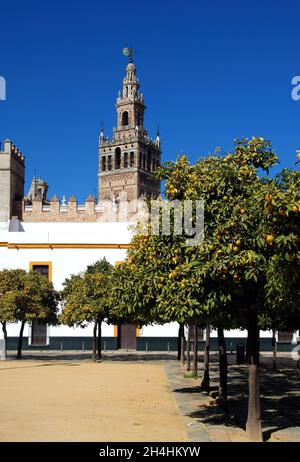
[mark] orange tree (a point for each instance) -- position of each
(35, 299)
(248, 264)
(86, 299)
(10, 286)
(281, 220)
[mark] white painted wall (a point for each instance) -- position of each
(71, 233)
(156, 330)
(64, 261)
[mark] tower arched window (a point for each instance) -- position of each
(132, 159)
(108, 162)
(117, 158)
(125, 119)
(103, 164)
(125, 159)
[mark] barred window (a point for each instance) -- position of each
(285, 337)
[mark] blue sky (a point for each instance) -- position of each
(210, 70)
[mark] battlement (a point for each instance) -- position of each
(71, 211)
(12, 150)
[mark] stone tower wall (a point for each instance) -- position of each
(12, 177)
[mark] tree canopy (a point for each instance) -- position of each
(86, 299)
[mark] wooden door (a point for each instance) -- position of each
(127, 336)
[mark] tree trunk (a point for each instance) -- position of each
(274, 349)
(195, 351)
(99, 341)
(5, 340)
(206, 380)
(253, 425)
(188, 350)
(180, 334)
(182, 353)
(20, 342)
(223, 365)
(94, 342)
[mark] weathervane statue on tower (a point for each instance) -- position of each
(127, 51)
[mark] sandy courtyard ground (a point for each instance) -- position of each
(42, 401)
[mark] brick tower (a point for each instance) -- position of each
(127, 162)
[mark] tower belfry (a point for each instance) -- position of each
(128, 160)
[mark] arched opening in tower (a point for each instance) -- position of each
(125, 159)
(125, 119)
(132, 159)
(117, 158)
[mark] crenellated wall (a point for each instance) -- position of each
(71, 211)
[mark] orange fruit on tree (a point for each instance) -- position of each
(268, 197)
(270, 238)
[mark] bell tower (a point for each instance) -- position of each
(128, 160)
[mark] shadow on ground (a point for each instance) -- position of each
(82, 356)
(280, 401)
